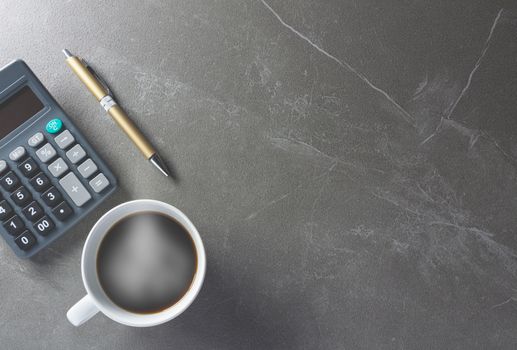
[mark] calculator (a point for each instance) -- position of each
(50, 176)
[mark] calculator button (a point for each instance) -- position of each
(10, 181)
(75, 189)
(64, 139)
(36, 139)
(33, 211)
(54, 126)
(3, 166)
(58, 167)
(5, 210)
(99, 183)
(44, 226)
(87, 168)
(52, 197)
(25, 241)
(28, 167)
(46, 153)
(17, 153)
(21, 196)
(76, 153)
(40, 182)
(14, 225)
(62, 211)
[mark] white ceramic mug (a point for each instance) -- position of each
(96, 299)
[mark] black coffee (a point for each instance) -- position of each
(146, 262)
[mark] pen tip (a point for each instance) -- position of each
(67, 53)
(159, 164)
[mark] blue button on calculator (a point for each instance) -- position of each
(50, 176)
(54, 126)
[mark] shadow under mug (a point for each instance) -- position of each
(96, 299)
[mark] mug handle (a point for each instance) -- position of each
(82, 311)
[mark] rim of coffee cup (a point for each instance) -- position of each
(89, 254)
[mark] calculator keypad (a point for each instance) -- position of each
(62, 211)
(28, 217)
(75, 189)
(36, 139)
(29, 167)
(58, 167)
(25, 241)
(3, 166)
(40, 182)
(5, 210)
(33, 211)
(17, 153)
(21, 196)
(46, 153)
(99, 183)
(64, 139)
(14, 225)
(52, 197)
(75, 154)
(10, 181)
(87, 169)
(44, 226)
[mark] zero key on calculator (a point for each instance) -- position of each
(50, 175)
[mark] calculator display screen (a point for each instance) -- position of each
(17, 109)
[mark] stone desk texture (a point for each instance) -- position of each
(351, 166)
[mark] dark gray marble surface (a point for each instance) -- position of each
(351, 166)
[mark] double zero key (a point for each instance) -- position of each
(44, 226)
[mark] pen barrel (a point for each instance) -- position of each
(131, 131)
(86, 77)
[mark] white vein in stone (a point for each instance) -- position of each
(476, 66)
(407, 117)
(436, 130)
(270, 203)
(303, 148)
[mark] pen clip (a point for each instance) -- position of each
(99, 78)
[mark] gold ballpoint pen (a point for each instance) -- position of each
(102, 93)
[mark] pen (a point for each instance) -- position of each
(104, 96)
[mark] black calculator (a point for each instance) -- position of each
(50, 176)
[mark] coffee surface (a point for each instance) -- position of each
(146, 262)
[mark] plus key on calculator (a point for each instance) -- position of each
(50, 176)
